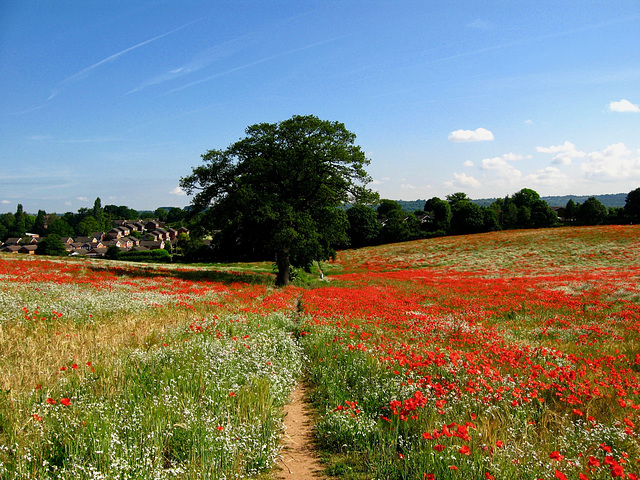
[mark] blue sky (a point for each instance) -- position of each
(119, 99)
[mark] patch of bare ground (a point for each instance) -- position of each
(299, 457)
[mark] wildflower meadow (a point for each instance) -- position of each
(505, 355)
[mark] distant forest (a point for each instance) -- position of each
(615, 200)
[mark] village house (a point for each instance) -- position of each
(28, 249)
(13, 241)
(156, 236)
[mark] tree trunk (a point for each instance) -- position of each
(284, 267)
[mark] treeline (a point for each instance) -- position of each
(84, 223)
(457, 215)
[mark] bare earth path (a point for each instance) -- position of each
(299, 458)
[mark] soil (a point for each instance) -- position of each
(299, 457)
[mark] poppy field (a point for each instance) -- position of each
(506, 355)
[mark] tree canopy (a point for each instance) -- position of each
(278, 193)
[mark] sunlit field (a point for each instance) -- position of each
(509, 355)
(504, 355)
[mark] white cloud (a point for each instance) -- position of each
(502, 167)
(468, 163)
(614, 163)
(477, 135)
(549, 176)
(82, 199)
(5, 202)
(528, 122)
(178, 191)
(623, 106)
(407, 186)
(466, 180)
(565, 153)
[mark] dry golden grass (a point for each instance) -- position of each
(34, 355)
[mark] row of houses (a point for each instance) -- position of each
(127, 236)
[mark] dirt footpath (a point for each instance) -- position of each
(299, 459)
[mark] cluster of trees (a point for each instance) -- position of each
(454, 216)
(457, 215)
(86, 222)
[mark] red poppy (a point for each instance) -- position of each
(51, 401)
(560, 476)
(65, 401)
(555, 455)
(594, 462)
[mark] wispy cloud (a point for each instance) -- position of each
(197, 62)
(257, 62)
(86, 71)
(52, 139)
(480, 24)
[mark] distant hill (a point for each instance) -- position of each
(608, 200)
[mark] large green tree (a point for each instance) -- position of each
(279, 192)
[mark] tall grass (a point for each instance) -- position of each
(141, 379)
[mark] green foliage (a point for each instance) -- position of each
(19, 225)
(51, 245)
(592, 212)
(87, 226)
(571, 211)
(120, 212)
(388, 208)
(632, 205)
(524, 209)
(363, 226)
(61, 227)
(113, 252)
(542, 215)
(438, 213)
(466, 217)
(159, 255)
(394, 222)
(39, 223)
(278, 192)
